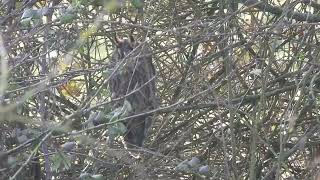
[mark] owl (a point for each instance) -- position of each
(133, 81)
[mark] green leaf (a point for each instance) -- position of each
(117, 129)
(85, 140)
(19, 109)
(85, 176)
(97, 177)
(88, 176)
(122, 128)
(72, 9)
(111, 5)
(120, 112)
(301, 56)
(114, 115)
(12, 161)
(127, 107)
(84, 2)
(60, 160)
(32, 13)
(67, 18)
(26, 22)
(137, 3)
(183, 166)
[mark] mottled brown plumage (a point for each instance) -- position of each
(135, 80)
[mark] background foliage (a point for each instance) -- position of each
(238, 82)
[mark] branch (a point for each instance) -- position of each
(262, 6)
(298, 146)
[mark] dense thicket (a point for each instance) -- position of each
(238, 84)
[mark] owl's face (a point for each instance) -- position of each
(124, 47)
